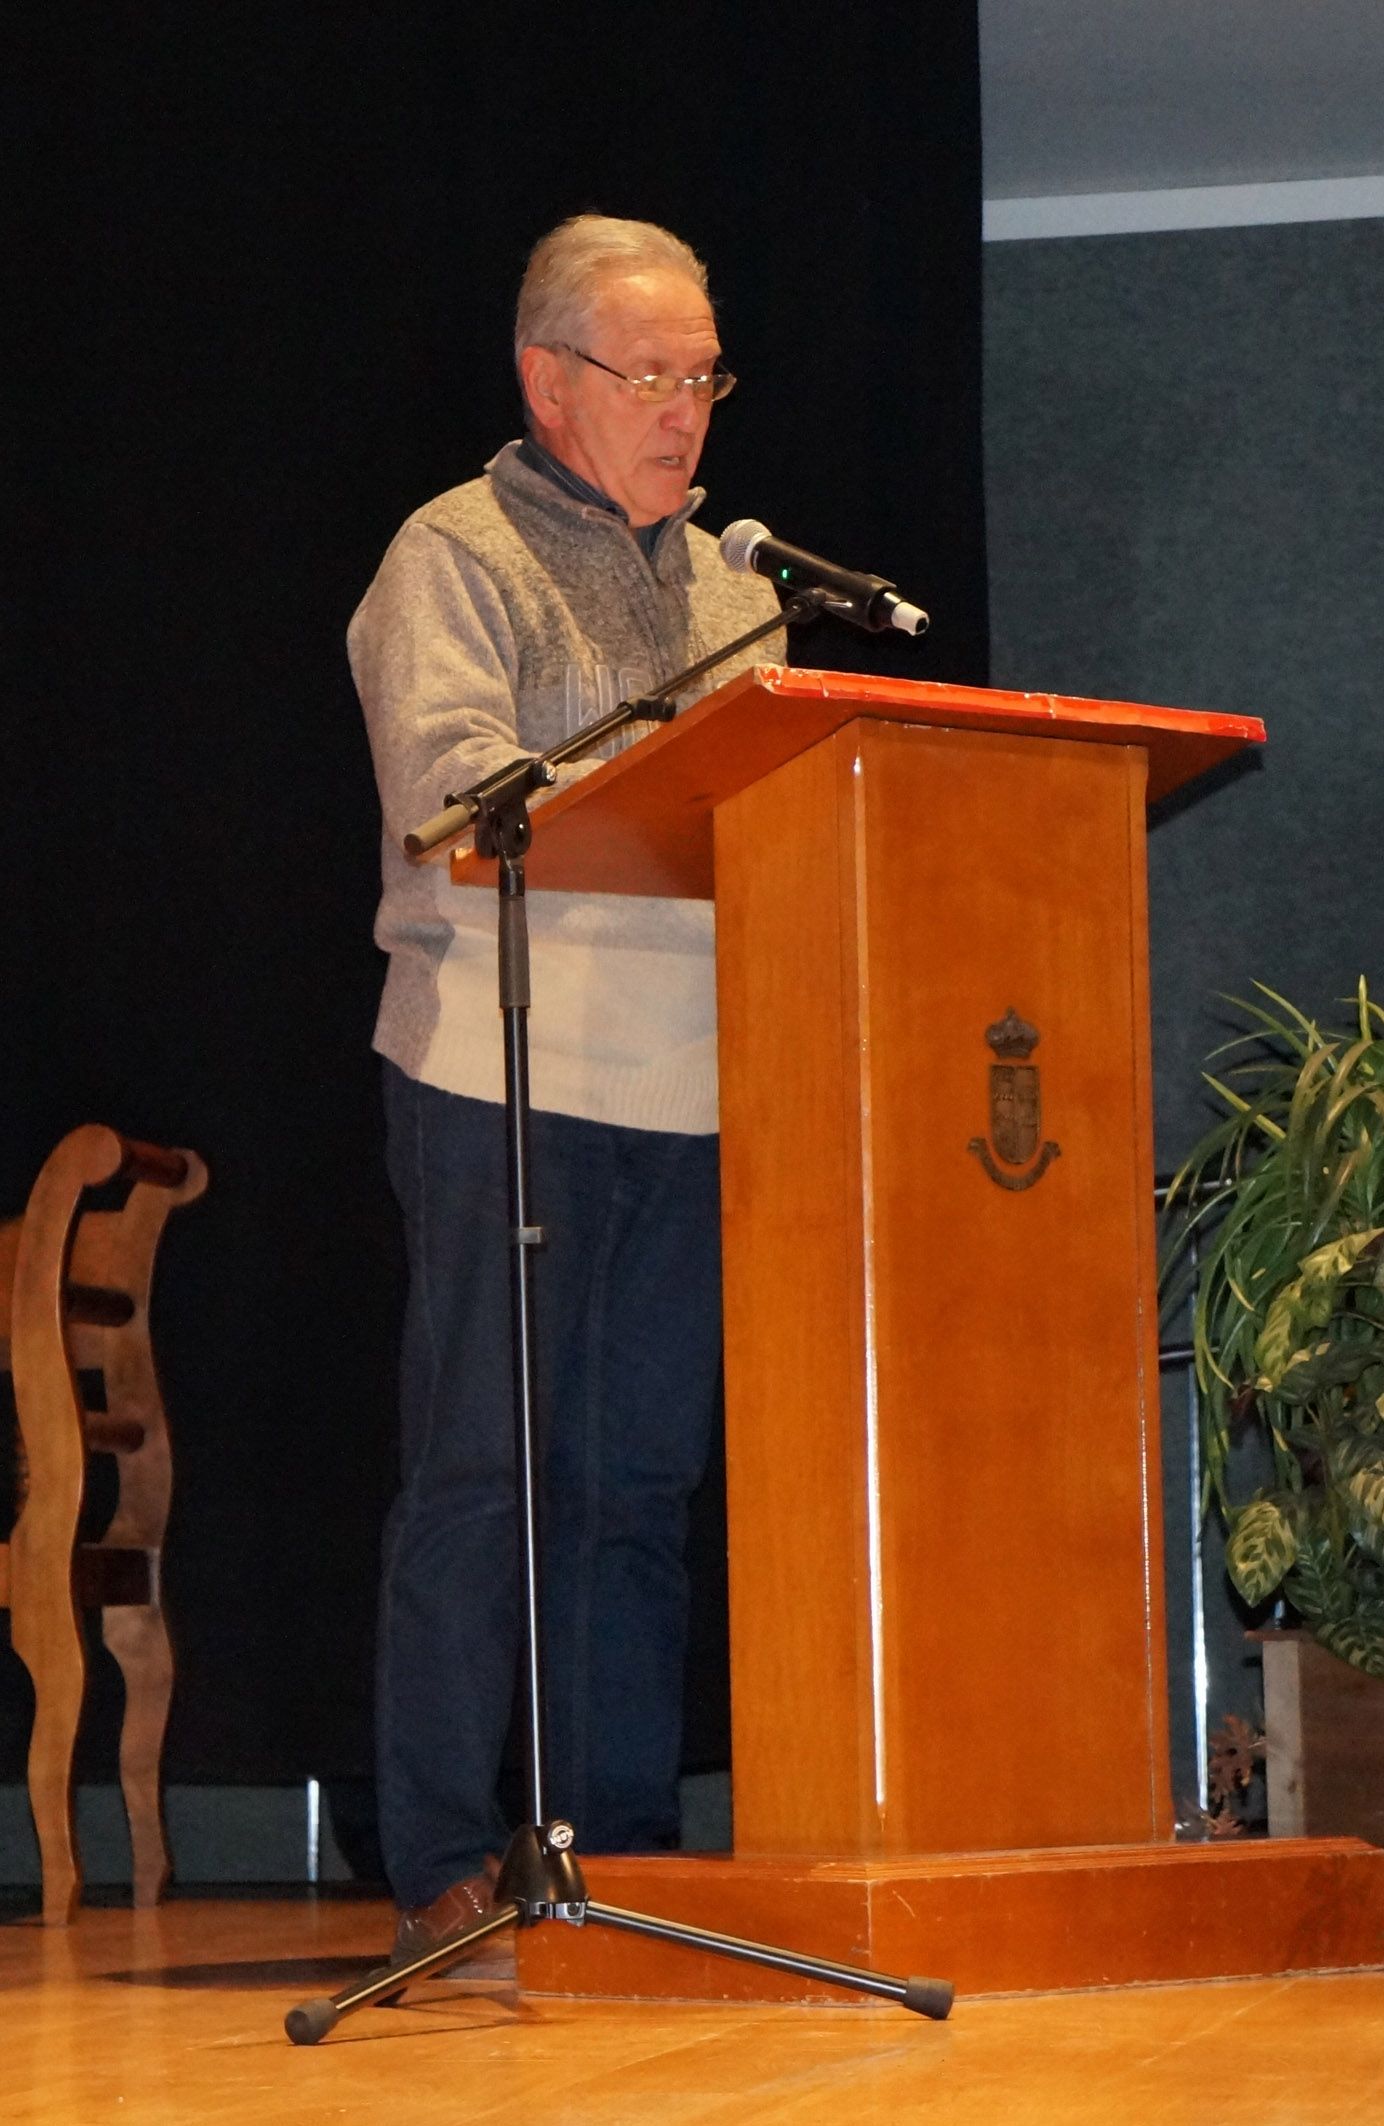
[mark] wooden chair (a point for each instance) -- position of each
(74, 1300)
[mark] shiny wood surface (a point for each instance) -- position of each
(641, 823)
(990, 1922)
(946, 1623)
(174, 2016)
(75, 1287)
(794, 1230)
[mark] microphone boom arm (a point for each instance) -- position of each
(485, 802)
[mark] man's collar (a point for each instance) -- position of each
(512, 467)
(532, 453)
(537, 458)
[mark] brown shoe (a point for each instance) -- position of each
(429, 1926)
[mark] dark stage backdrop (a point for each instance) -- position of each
(269, 270)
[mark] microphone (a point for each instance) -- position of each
(870, 601)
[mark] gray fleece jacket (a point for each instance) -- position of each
(505, 615)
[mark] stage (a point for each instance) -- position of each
(175, 2017)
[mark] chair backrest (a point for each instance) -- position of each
(74, 1297)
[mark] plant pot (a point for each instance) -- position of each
(1324, 1734)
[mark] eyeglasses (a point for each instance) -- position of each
(658, 390)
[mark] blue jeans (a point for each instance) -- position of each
(628, 1312)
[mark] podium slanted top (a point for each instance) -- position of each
(642, 822)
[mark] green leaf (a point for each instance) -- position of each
(1369, 1400)
(1261, 1548)
(1368, 1010)
(1319, 1586)
(1329, 1364)
(1355, 1642)
(1364, 1488)
(1307, 1302)
(1245, 1108)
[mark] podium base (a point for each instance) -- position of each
(1032, 1922)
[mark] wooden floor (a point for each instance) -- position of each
(176, 2016)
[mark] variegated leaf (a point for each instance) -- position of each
(1354, 1641)
(1330, 1363)
(1306, 1303)
(1262, 1547)
(1364, 1488)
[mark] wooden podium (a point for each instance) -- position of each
(947, 1631)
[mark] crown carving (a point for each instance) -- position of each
(1012, 1038)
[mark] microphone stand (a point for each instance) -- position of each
(540, 1876)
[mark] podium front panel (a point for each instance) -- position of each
(941, 1363)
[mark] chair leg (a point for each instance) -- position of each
(48, 1640)
(138, 1638)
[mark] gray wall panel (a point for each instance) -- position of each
(1185, 496)
(1185, 492)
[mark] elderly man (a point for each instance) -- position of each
(506, 614)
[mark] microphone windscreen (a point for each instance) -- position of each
(739, 540)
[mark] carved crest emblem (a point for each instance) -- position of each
(1016, 1108)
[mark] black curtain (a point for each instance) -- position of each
(267, 275)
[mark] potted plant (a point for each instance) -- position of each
(1284, 1200)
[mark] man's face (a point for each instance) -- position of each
(642, 456)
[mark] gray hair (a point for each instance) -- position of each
(566, 269)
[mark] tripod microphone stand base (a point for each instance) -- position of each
(540, 1880)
